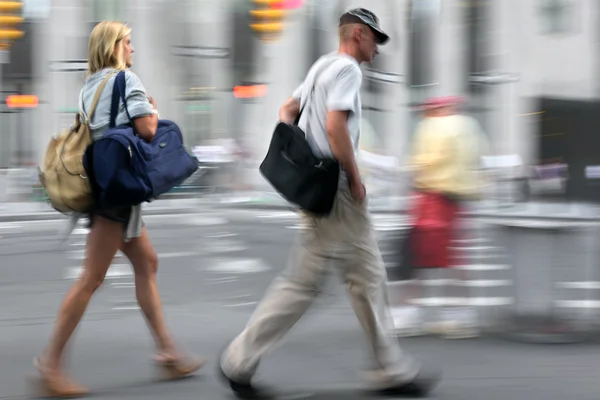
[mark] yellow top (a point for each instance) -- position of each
(446, 156)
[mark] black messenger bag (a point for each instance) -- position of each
(296, 173)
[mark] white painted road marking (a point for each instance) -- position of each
(178, 254)
(224, 246)
(457, 282)
(590, 285)
(115, 271)
(484, 267)
(473, 301)
(278, 215)
(8, 225)
(222, 235)
(206, 221)
(237, 266)
(250, 303)
(80, 231)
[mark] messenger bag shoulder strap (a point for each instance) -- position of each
(312, 89)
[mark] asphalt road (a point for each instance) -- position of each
(214, 266)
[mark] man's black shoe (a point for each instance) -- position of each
(421, 385)
(244, 390)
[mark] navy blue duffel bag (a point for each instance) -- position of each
(126, 170)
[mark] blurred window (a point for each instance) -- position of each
(244, 49)
(108, 10)
(424, 20)
(558, 16)
(477, 17)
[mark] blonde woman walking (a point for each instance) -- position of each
(110, 51)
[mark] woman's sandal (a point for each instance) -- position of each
(55, 387)
(179, 368)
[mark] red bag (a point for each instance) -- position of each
(434, 218)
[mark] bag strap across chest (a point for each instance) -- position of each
(95, 100)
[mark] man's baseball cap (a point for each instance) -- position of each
(365, 17)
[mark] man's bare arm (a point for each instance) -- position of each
(341, 144)
(289, 111)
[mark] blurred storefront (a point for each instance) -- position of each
(201, 61)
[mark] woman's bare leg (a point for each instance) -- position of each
(144, 259)
(103, 241)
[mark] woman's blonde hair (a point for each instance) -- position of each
(101, 49)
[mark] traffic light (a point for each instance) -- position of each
(269, 15)
(22, 101)
(10, 21)
(249, 91)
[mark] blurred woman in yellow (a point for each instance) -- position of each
(445, 167)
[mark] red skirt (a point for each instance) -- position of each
(434, 220)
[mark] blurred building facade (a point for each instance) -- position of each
(528, 68)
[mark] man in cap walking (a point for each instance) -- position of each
(343, 241)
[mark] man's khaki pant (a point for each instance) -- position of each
(344, 241)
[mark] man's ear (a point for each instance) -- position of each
(359, 32)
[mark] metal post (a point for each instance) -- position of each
(4, 58)
(3, 178)
(489, 80)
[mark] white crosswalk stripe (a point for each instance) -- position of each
(483, 267)
(457, 301)
(237, 266)
(115, 271)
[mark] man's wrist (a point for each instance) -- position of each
(354, 179)
(352, 173)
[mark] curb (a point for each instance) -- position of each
(55, 215)
(258, 206)
(42, 216)
(484, 214)
(189, 208)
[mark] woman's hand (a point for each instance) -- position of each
(146, 126)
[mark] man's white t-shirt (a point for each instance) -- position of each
(337, 89)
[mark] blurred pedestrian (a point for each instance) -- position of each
(445, 167)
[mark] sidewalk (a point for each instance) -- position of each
(400, 204)
(320, 360)
(268, 200)
(31, 211)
